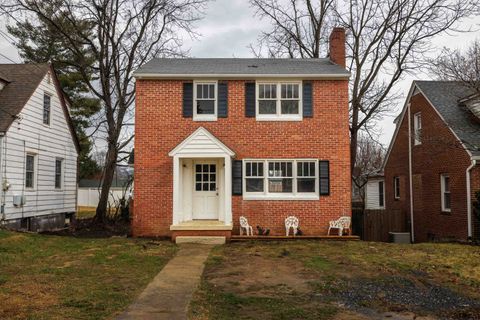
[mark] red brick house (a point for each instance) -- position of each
(433, 155)
(217, 139)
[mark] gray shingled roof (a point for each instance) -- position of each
(239, 66)
(22, 79)
(445, 96)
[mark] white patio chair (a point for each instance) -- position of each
(342, 223)
(291, 222)
(244, 225)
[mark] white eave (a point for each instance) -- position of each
(241, 76)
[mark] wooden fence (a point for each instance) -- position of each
(374, 225)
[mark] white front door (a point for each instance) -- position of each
(205, 190)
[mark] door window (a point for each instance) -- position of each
(205, 177)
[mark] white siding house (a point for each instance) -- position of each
(375, 193)
(38, 150)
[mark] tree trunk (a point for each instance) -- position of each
(353, 148)
(108, 173)
(353, 136)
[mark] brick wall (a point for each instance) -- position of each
(160, 127)
(439, 153)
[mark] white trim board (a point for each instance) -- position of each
(201, 131)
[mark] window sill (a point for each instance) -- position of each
(205, 119)
(446, 212)
(275, 118)
(313, 197)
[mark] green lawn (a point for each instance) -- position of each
(52, 277)
(339, 280)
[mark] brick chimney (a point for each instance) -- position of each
(337, 46)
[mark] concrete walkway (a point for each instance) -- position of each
(170, 292)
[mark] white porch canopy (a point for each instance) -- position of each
(200, 145)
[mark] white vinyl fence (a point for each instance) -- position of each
(89, 197)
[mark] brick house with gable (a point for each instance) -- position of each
(217, 139)
(437, 144)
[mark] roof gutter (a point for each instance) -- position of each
(239, 76)
(469, 198)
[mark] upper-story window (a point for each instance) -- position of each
(205, 101)
(417, 128)
(46, 108)
(279, 101)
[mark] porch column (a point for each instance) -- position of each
(228, 190)
(176, 191)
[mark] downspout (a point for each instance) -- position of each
(2, 205)
(469, 198)
(410, 182)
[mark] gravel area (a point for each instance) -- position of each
(400, 293)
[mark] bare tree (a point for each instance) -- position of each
(385, 40)
(461, 66)
(123, 35)
(299, 28)
(370, 156)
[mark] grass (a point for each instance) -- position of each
(312, 279)
(50, 277)
(85, 212)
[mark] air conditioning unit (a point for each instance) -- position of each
(400, 237)
(19, 200)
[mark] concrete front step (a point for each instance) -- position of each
(201, 239)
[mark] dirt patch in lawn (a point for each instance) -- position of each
(325, 280)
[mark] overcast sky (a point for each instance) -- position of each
(230, 26)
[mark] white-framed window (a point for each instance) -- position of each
(445, 189)
(417, 128)
(279, 101)
(30, 170)
(58, 173)
(280, 179)
(47, 108)
(205, 95)
(396, 187)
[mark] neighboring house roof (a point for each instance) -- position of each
(445, 97)
(240, 67)
(22, 81)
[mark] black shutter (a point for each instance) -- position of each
(237, 178)
(188, 100)
(250, 99)
(222, 99)
(324, 177)
(307, 99)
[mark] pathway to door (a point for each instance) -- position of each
(170, 292)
